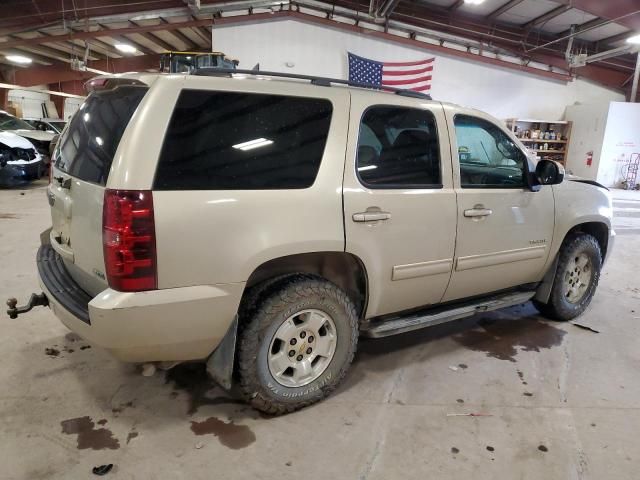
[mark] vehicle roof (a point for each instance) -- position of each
(150, 78)
(380, 96)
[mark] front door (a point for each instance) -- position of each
(504, 229)
(399, 202)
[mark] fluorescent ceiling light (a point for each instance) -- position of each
(368, 167)
(125, 48)
(635, 39)
(251, 144)
(473, 2)
(18, 59)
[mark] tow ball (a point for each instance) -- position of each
(36, 300)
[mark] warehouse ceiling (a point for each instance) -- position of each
(531, 35)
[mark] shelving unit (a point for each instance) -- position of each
(556, 149)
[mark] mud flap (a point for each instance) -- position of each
(220, 362)
(544, 289)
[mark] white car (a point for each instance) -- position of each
(20, 161)
(40, 139)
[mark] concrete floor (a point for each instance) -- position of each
(562, 402)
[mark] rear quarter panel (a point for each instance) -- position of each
(213, 237)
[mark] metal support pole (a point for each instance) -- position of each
(636, 75)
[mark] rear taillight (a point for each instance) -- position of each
(129, 240)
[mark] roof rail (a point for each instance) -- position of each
(321, 81)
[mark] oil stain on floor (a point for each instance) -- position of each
(88, 435)
(504, 338)
(230, 435)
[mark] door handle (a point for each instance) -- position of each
(371, 216)
(478, 211)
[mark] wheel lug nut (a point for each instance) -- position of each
(303, 334)
(299, 358)
(309, 350)
(310, 339)
(292, 353)
(293, 341)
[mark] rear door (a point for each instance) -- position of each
(81, 165)
(399, 203)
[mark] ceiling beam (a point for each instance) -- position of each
(166, 25)
(595, 23)
(456, 5)
(611, 9)
(181, 36)
(503, 9)
(40, 59)
(615, 38)
(385, 8)
(62, 73)
(544, 18)
(203, 33)
(155, 39)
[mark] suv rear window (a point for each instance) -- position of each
(243, 141)
(89, 144)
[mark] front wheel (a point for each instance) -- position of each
(297, 344)
(576, 278)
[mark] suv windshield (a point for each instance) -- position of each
(9, 122)
(88, 146)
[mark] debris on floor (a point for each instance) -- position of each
(102, 469)
(469, 415)
(585, 327)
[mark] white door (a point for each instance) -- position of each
(399, 202)
(504, 228)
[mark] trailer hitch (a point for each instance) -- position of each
(36, 300)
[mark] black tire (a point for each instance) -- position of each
(267, 310)
(559, 307)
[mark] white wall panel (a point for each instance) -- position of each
(317, 50)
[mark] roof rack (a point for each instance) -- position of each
(321, 81)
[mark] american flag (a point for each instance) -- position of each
(407, 75)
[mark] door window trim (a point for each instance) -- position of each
(391, 186)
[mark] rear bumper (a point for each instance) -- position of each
(176, 324)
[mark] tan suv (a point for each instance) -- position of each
(264, 224)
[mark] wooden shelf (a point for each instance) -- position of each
(538, 140)
(546, 122)
(562, 129)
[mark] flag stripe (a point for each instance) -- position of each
(407, 64)
(406, 78)
(406, 72)
(391, 83)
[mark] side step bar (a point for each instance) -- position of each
(378, 328)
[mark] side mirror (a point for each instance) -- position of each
(549, 172)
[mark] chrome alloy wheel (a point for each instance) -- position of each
(302, 348)
(577, 278)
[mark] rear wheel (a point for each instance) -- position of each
(297, 344)
(576, 278)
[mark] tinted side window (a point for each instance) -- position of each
(488, 157)
(398, 148)
(243, 141)
(87, 148)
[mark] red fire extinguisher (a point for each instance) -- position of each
(589, 158)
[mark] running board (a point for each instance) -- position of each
(395, 325)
